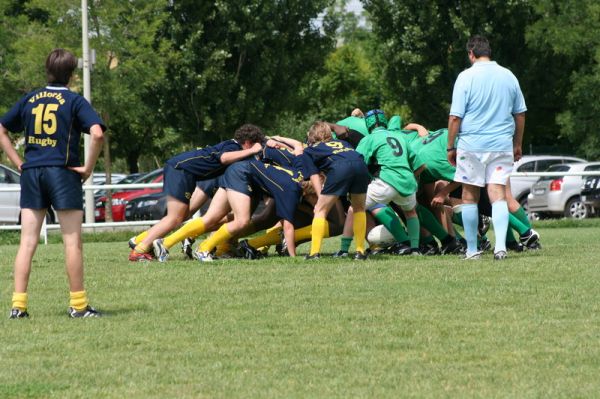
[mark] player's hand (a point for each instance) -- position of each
(83, 172)
(272, 143)
(256, 148)
(438, 201)
(452, 157)
(517, 152)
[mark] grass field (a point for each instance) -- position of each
(389, 327)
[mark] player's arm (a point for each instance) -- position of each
(419, 128)
(272, 143)
(453, 126)
(7, 147)
(340, 131)
(419, 170)
(295, 144)
(518, 137)
(230, 157)
(440, 197)
(315, 180)
(97, 139)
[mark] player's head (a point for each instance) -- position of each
(480, 46)
(60, 65)
(318, 132)
(249, 133)
(375, 118)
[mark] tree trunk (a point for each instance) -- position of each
(107, 168)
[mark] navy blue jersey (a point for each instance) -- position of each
(285, 158)
(52, 119)
(205, 163)
(282, 184)
(322, 156)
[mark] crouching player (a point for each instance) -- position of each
(242, 181)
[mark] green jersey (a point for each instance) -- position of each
(432, 151)
(390, 150)
(395, 123)
(354, 123)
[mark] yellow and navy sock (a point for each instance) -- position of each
(360, 230)
(191, 229)
(78, 300)
(319, 226)
(19, 301)
(219, 236)
(140, 237)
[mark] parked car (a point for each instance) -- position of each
(590, 192)
(561, 195)
(100, 177)
(120, 199)
(147, 207)
(521, 186)
(9, 200)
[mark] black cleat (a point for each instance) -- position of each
(16, 313)
(529, 238)
(485, 245)
(514, 246)
(452, 247)
(186, 247)
(248, 251)
(430, 249)
(534, 246)
(340, 254)
(484, 224)
(360, 256)
(314, 256)
(282, 249)
(87, 312)
(400, 249)
(415, 252)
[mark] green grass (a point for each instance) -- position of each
(392, 327)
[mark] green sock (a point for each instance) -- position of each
(510, 237)
(516, 224)
(345, 243)
(426, 239)
(522, 216)
(391, 221)
(430, 222)
(414, 230)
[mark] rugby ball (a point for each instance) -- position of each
(381, 236)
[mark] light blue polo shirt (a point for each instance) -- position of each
(485, 97)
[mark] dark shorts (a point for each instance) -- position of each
(209, 187)
(54, 186)
(347, 177)
(237, 178)
(178, 183)
(287, 201)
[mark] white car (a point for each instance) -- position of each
(9, 200)
(521, 186)
(561, 195)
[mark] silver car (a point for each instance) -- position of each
(561, 195)
(9, 200)
(520, 186)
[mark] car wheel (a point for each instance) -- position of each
(576, 209)
(525, 206)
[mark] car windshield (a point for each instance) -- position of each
(556, 168)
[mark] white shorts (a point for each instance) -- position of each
(379, 192)
(480, 168)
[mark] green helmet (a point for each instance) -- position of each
(375, 118)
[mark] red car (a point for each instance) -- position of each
(120, 199)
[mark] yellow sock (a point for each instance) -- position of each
(79, 300)
(19, 301)
(360, 230)
(218, 237)
(191, 229)
(139, 238)
(223, 248)
(271, 237)
(142, 248)
(319, 226)
(304, 234)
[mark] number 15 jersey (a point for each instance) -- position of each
(390, 151)
(53, 119)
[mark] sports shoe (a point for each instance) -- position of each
(500, 255)
(534, 246)
(452, 247)
(400, 249)
(430, 249)
(514, 246)
(203, 256)
(131, 242)
(340, 254)
(473, 256)
(87, 312)
(529, 238)
(485, 245)
(16, 313)
(160, 252)
(135, 256)
(282, 249)
(248, 251)
(484, 224)
(360, 256)
(312, 257)
(186, 247)
(415, 252)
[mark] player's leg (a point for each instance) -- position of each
(498, 168)
(31, 224)
(359, 224)
(519, 221)
(319, 223)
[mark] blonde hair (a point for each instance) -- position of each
(319, 132)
